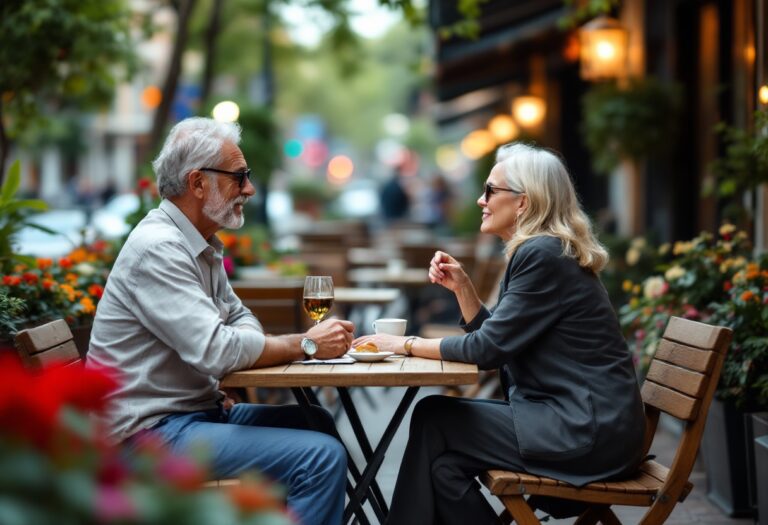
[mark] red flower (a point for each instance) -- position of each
(145, 183)
(65, 262)
(96, 290)
(727, 285)
(30, 278)
(181, 472)
(11, 280)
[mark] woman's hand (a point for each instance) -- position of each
(384, 342)
(447, 272)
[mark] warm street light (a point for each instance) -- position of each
(503, 128)
(762, 94)
(529, 111)
(226, 111)
(603, 49)
(477, 144)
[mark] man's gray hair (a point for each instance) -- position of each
(192, 144)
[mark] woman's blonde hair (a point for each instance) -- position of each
(553, 207)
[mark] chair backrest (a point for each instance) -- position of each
(681, 382)
(46, 344)
(277, 305)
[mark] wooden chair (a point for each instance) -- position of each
(50, 343)
(278, 305)
(681, 382)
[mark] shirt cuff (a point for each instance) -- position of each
(477, 321)
(252, 342)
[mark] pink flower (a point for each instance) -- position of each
(114, 505)
(229, 266)
(181, 472)
(639, 335)
(691, 312)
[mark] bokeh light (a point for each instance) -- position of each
(477, 144)
(151, 97)
(396, 124)
(226, 111)
(763, 94)
(447, 157)
(503, 128)
(315, 153)
(293, 148)
(528, 111)
(340, 168)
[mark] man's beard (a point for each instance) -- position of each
(222, 212)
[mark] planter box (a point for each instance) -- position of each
(724, 450)
(759, 450)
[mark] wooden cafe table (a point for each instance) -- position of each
(409, 372)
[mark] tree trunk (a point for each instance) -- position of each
(4, 144)
(185, 9)
(211, 39)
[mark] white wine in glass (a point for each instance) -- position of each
(318, 296)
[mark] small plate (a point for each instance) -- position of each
(369, 357)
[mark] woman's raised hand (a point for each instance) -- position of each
(446, 271)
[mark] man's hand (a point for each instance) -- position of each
(333, 337)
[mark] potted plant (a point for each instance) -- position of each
(714, 279)
(11, 312)
(56, 465)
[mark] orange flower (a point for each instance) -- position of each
(88, 306)
(44, 264)
(228, 240)
(96, 290)
(65, 262)
(48, 284)
(747, 296)
(78, 255)
(69, 291)
(71, 278)
(245, 242)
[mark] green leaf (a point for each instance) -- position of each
(28, 204)
(12, 182)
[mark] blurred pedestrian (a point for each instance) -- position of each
(395, 203)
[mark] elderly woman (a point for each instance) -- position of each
(573, 408)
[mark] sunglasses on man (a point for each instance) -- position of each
(240, 175)
(491, 190)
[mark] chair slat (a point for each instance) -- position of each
(43, 337)
(669, 401)
(693, 333)
(685, 356)
(677, 378)
(65, 353)
(655, 470)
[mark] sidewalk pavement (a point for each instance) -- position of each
(696, 509)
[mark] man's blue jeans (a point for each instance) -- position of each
(275, 441)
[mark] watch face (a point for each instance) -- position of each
(309, 346)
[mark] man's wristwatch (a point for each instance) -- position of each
(309, 347)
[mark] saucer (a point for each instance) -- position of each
(369, 357)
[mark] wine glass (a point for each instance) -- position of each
(318, 296)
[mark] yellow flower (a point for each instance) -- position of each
(633, 255)
(674, 273)
(636, 289)
(725, 229)
(664, 248)
(638, 242)
(634, 302)
(626, 285)
(682, 247)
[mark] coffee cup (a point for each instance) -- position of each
(389, 326)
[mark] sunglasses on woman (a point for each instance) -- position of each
(240, 175)
(491, 190)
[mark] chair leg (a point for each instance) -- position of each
(607, 517)
(520, 510)
(589, 517)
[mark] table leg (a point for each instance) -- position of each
(305, 402)
(374, 463)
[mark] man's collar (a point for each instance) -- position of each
(192, 234)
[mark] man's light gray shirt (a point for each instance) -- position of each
(169, 323)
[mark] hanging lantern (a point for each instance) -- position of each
(529, 111)
(603, 49)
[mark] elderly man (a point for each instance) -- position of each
(171, 324)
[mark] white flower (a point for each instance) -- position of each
(633, 255)
(85, 269)
(654, 287)
(674, 273)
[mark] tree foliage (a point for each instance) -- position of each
(59, 53)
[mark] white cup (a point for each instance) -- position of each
(389, 326)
